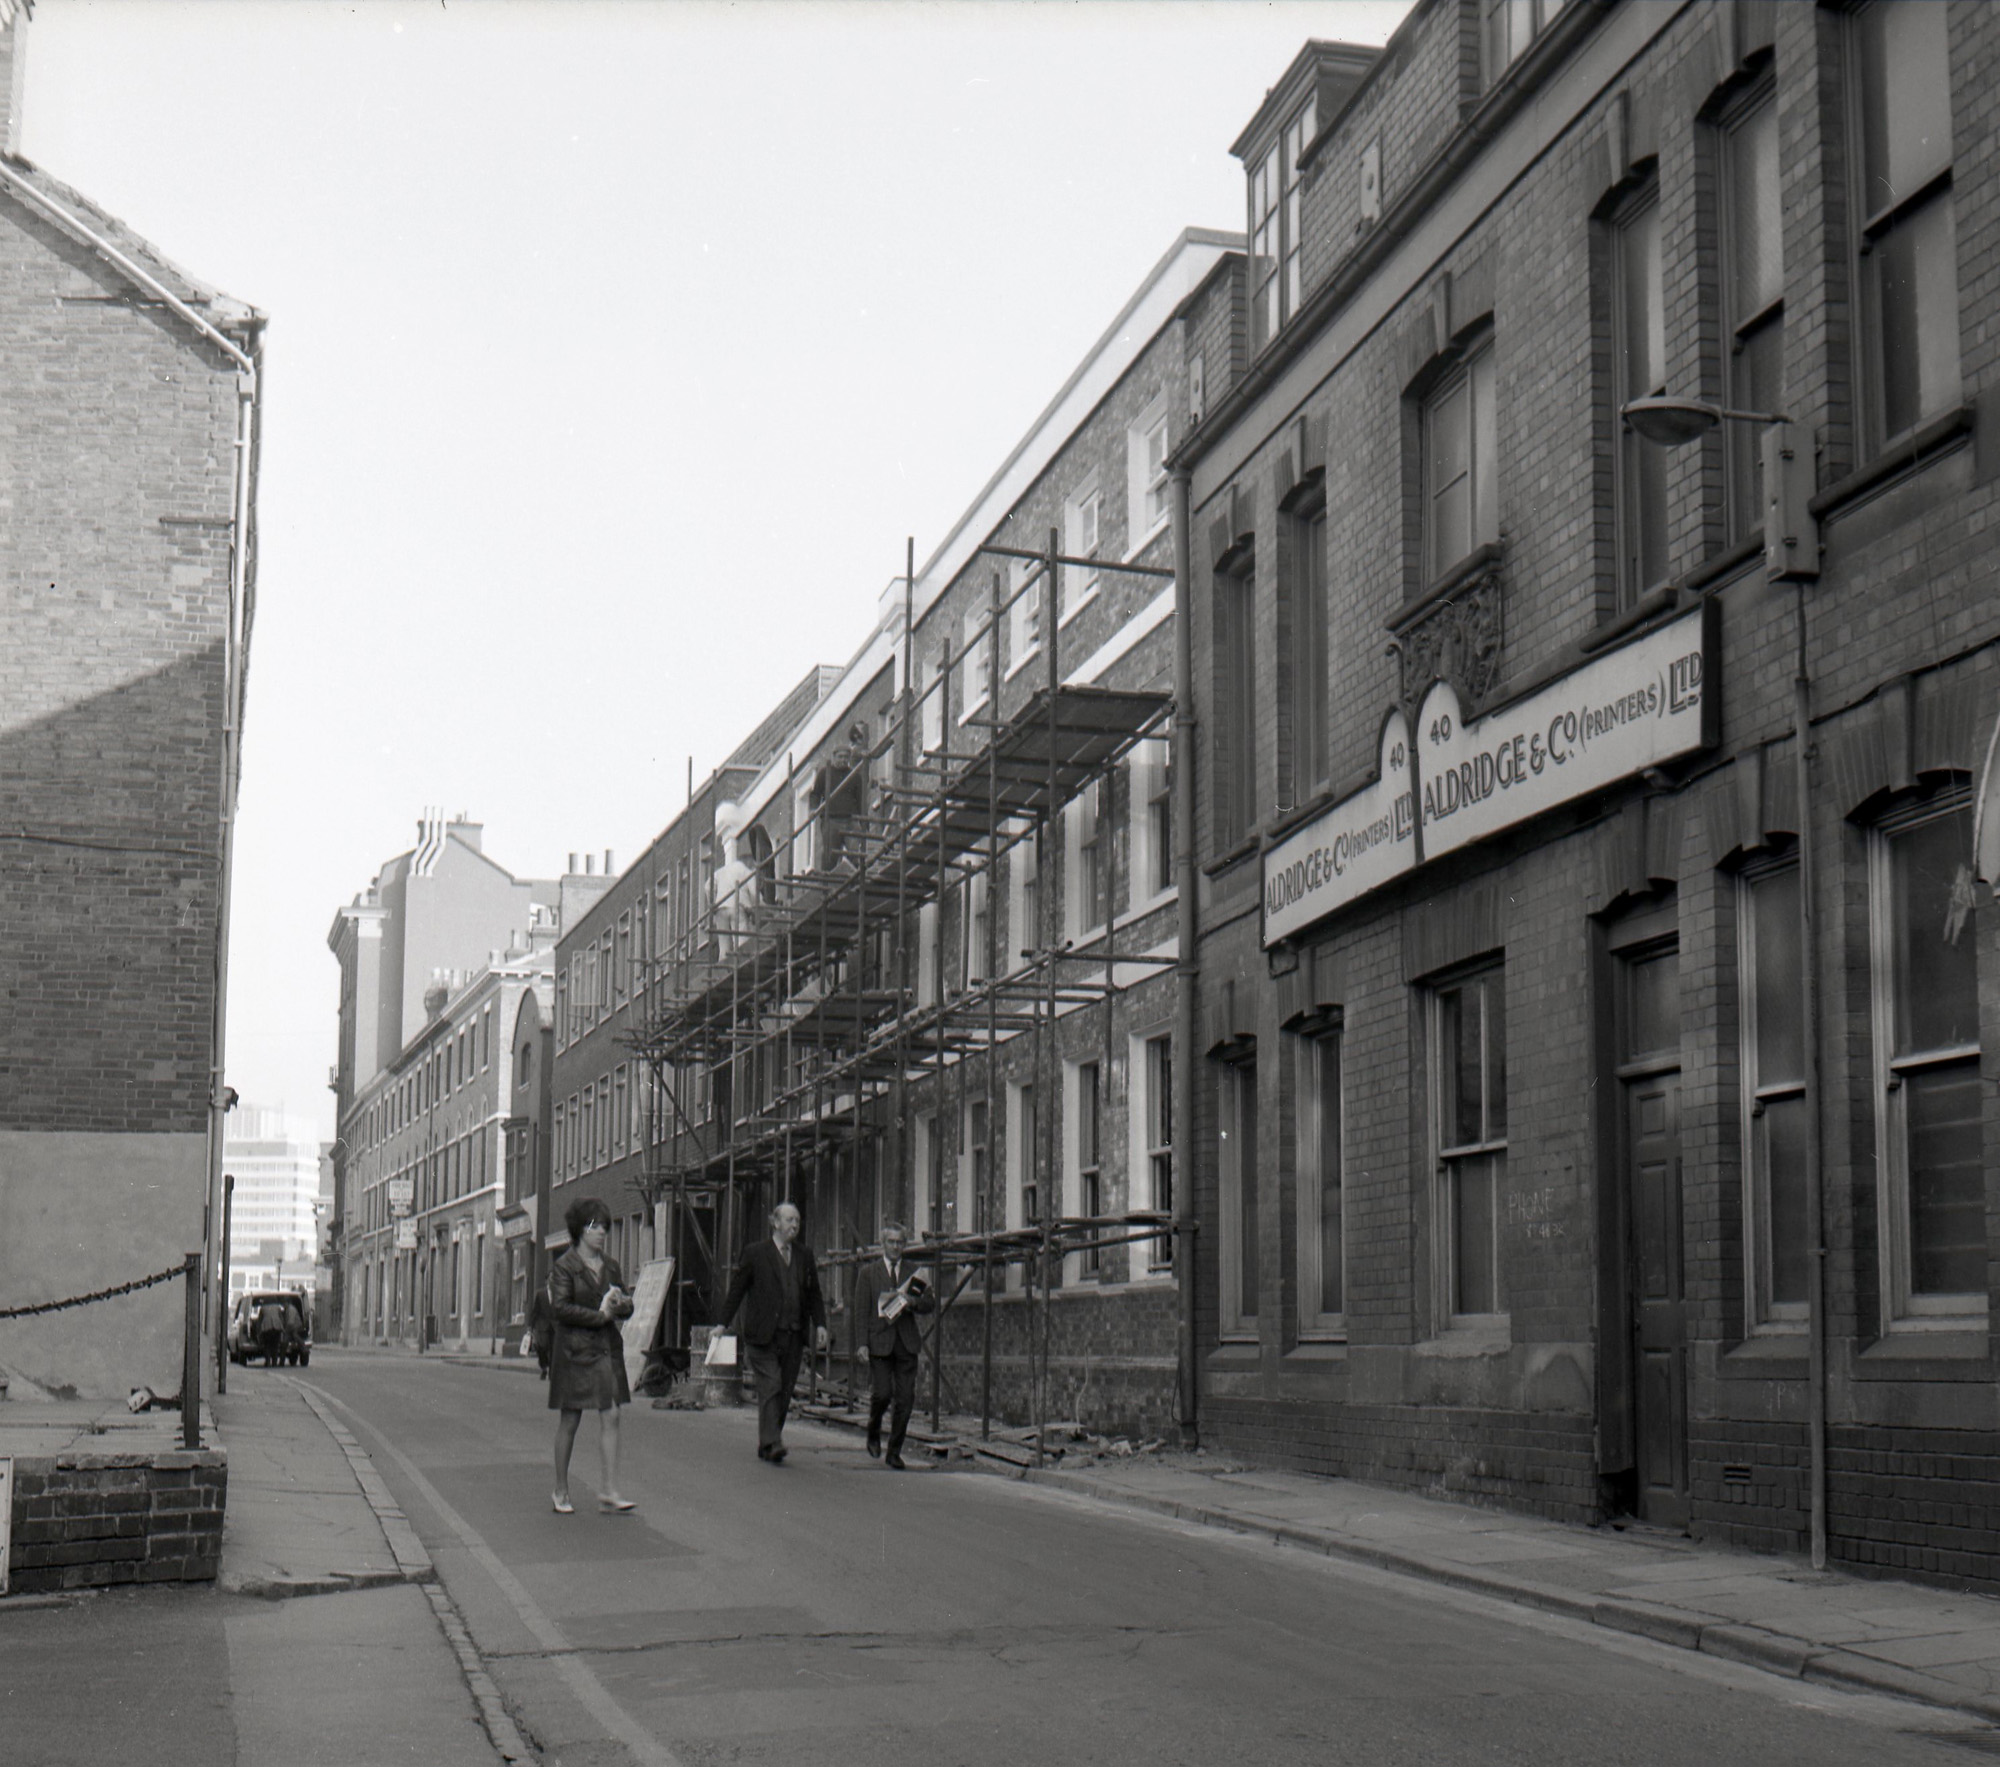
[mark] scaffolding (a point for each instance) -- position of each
(790, 999)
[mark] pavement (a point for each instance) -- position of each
(1774, 1613)
(241, 1672)
(309, 1517)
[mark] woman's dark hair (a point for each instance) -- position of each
(581, 1213)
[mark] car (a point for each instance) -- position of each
(292, 1328)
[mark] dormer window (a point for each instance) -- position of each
(1313, 94)
(1275, 224)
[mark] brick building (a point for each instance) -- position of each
(1554, 1011)
(129, 451)
(613, 1134)
(435, 958)
(1076, 1124)
(524, 1201)
(936, 980)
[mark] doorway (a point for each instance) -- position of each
(1648, 1009)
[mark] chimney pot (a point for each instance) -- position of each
(572, 864)
(608, 866)
(590, 865)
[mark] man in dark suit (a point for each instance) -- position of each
(777, 1287)
(888, 1314)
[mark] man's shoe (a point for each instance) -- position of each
(895, 1463)
(778, 1453)
(875, 1444)
(763, 1450)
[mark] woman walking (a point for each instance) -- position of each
(587, 1368)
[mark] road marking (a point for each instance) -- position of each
(591, 1693)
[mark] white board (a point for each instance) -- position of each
(649, 1296)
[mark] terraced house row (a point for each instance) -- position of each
(1599, 1087)
(1403, 892)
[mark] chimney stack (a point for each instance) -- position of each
(13, 69)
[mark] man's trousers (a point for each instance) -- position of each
(892, 1381)
(774, 1369)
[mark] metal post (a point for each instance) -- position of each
(1047, 918)
(905, 1172)
(191, 1356)
(984, 1203)
(1187, 969)
(222, 1303)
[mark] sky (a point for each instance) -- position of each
(614, 350)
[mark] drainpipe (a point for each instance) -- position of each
(1186, 969)
(1815, 1177)
(235, 642)
(235, 658)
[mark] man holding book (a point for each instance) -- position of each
(888, 1299)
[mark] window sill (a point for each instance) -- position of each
(1235, 1346)
(1493, 1337)
(1235, 856)
(1317, 1349)
(1082, 601)
(1653, 605)
(1323, 798)
(1469, 569)
(972, 711)
(1961, 1352)
(1147, 538)
(1916, 450)
(1022, 661)
(1771, 1355)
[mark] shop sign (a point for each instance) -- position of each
(406, 1234)
(1649, 702)
(402, 1194)
(1357, 846)
(1645, 704)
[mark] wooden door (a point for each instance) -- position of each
(1649, 1080)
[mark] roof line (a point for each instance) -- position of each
(1187, 236)
(79, 229)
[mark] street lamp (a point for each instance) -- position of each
(1791, 554)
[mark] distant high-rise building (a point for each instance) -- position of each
(274, 1159)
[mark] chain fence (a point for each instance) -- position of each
(103, 1294)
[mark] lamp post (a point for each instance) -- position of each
(1791, 554)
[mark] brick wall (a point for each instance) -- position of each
(1904, 655)
(1540, 1465)
(117, 478)
(84, 1521)
(1110, 1359)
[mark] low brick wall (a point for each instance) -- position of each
(82, 1520)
